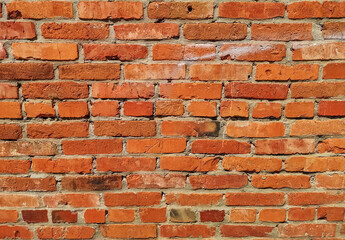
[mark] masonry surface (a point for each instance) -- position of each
(158, 120)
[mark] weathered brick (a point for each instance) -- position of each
(155, 71)
(156, 145)
(90, 71)
(58, 130)
(121, 215)
(26, 71)
(252, 164)
(307, 229)
(242, 215)
(156, 181)
(314, 9)
(94, 216)
(73, 109)
(18, 184)
(146, 31)
(75, 200)
(193, 199)
(169, 108)
(39, 110)
(21, 148)
(17, 30)
(129, 231)
(267, 110)
(13, 232)
(220, 72)
(285, 146)
(190, 90)
(316, 128)
(234, 109)
(153, 215)
(10, 131)
(96, 146)
(64, 216)
(254, 199)
(314, 198)
(215, 31)
(8, 216)
(301, 214)
(190, 164)
(91, 183)
(299, 110)
(187, 231)
(125, 164)
(189, 128)
(272, 215)
(218, 181)
(14, 166)
(245, 230)
(317, 90)
(105, 108)
(335, 145)
(280, 181)
(214, 146)
(122, 52)
(202, 109)
(124, 90)
(125, 128)
(279, 72)
(62, 165)
(333, 30)
(318, 51)
(255, 129)
(132, 199)
(17, 200)
(8, 91)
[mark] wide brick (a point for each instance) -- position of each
(55, 90)
(10, 110)
(64, 216)
(299, 110)
(314, 9)
(126, 164)
(81, 30)
(74, 200)
(272, 215)
(169, 108)
(73, 109)
(10, 131)
(17, 30)
(13, 232)
(156, 181)
(220, 72)
(331, 213)
(105, 108)
(110, 10)
(193, 199)
(39, 110)
(8, 216)
(124, 90)
(267, 110)
(316, 128)
(252, 52)
(21, 148)
(180, 10)
(90, 71)
(58, 130)
(212, 216)
(156, 145)
(251, 10)
(301, 214)
(26, 71)
(335, 181)
(314, 198)
(215, 146)
(189, 128)
(121, 215)
(234, 109)
(190, 164)
(45, 51)
(279, 72)
(215, 31)
(280, 181)
(307, 229)
(318, 51)
(17, 184)
(7, 200)
(187, 231)
(334, 145)
(254, 199)
(125, 128)
(317, 90)
(132, 199)
(122, 52)
(333, 30)
(14, 166)
(256, 90)
(91, 183)
(245, 231)
(153, 215)
(242, 215)
(62, 165)
(39, 10)
(8, 91)
(94, 216)
(190, 90)
(282, 32)
(79, 232)
(147, 31)
(252, 164)
(129, 231)
(199, 52)
(155, 71)
(285, 146)
(314, 164)
(202, 109)
(218, 181)
(97, 146)
(255, 129)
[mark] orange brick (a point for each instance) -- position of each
(202, 109)
(121, 215)
(242, 215)
(267, 110)
(73, 109)
(234, 109)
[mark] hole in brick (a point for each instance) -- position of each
(190, 8)
(15, 14)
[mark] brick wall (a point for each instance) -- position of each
(144, 119)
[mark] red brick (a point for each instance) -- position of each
(156, 181)
(17, 30)
(14, 166)
(91, 183)
(10, 110)
(19, 201)
(317, 90)
(180, 10)
(189, 128)
(251, 10)
(35, 216)
(285, 146)
(21, 148)
(333, 71)
(267, 110)
(138, 109)
(39, 110)
(256, 90)
(94, 216)
(254, 199)
(62, 165)
(76, 200)
(255, 129)
(314, 127)
(8, 216)
(245, 230)
(26, 71)
(190, 90)
(55, 90)
(331, 213)
(156, 145)
(97, 146)
(314, 9)
(124, 90)
(110, 10)
(147, 31)
(90, 71)
(3, 53)
(331, 108)
(132, 199)
(220, 72)
(125, 128)
(8, 91)
(167, 52)
(335, 181)
(10, 131)
(13, 232)
(202, 109)
(314, 164)
(122, 52)
(282, 32)
(17, 184)
(279, 72)
(73, 109)
(169, 108)
(214, 146)
(155, 71)
(272, 215)
(64, 216)
(280, 181)
(58, 130)
(218, 181)
(193, 199)
(45, 51)
(334, 145)
(79, 232)
(129, 231)
(105, 109)
(121, 215)
(318, 51)
(333, 30)
(299, 110)
(314, 198)
(188, 163)
(242, 215)
(187, 231)
(50, 232)
(307, 229)
(199, 52)
(126, 164)
(39, 10)
(80, 30)
(234, 109)
(212, 216)
(252, 164)
(153, 215)
(301, 214)
(215, 31)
